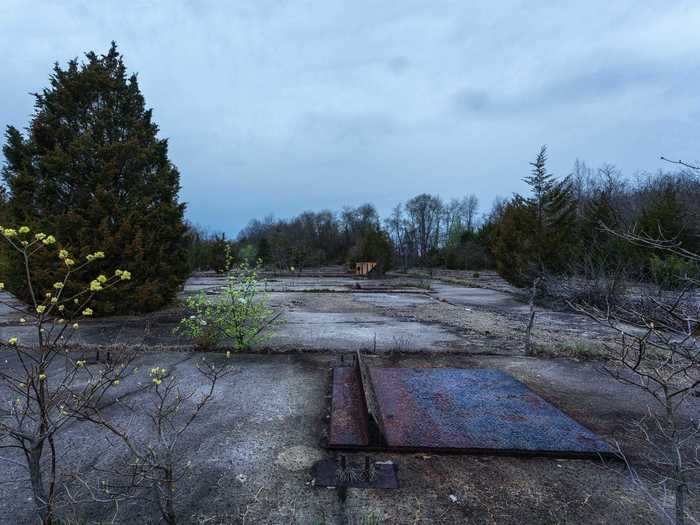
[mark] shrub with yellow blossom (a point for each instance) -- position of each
(42, 407)
(57, 300)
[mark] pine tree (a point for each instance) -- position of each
(513, 242)
(664, 216)
(536, 235)
(220, 254)
(560, 226)
(92, 172)
(264, 250)
(553, 207)
(604, 253)
(541, 185)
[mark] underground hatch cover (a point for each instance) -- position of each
(450, 410)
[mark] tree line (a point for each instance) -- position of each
(560, 226)
(563, 225)
(423, 231)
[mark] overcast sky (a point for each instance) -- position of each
(278, 107)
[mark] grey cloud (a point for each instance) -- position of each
(398, 64)
(472, 100)
(614, 80)
(272, 106)
(350, 129)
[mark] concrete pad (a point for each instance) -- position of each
(347, 324)
(236, 447)
(479, 298)
(391, 300)
(351, 331)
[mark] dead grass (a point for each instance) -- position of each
(575, 348)
(423, 284)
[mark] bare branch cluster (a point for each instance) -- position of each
(658, 352)
(155, 464)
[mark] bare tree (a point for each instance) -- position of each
(155, 464)
(424, 214)
(529, 346)
(659, 353)
(470, 208)
(459, 215)
(396, 226)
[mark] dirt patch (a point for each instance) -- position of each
(299, 457)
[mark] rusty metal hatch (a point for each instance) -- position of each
(450, 410)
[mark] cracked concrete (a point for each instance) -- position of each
(343, 313)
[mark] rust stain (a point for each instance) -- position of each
(348, 425)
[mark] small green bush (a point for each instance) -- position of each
(240, 314)
(672, 271)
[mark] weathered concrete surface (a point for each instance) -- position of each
(479, 298)
(342, 332)
(210, 282)
(512, 310)
(312, 320)
(331, 313)
(252, 447)
(470, 279)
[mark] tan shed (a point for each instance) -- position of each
(363, 268)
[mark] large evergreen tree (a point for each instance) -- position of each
(92, 171)
(541, 186)
(663, 217)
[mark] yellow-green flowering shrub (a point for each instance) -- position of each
(46, 396)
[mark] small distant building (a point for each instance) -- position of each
(364, 268)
